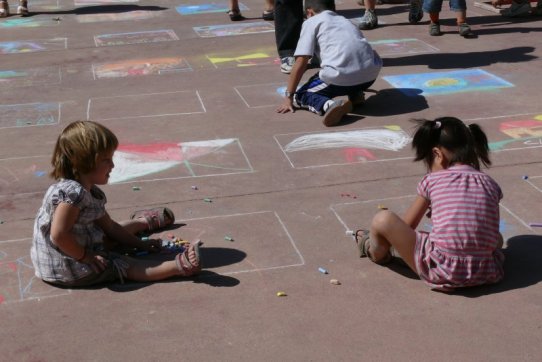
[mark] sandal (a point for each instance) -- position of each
(22, 9)
(188, 261)
(235, 15)
(4, 9)
(364, 241)
(268, 15)
(156, 218)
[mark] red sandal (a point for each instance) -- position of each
(156, 218)
(188, 261)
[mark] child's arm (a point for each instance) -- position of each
(64, 219)
(415, 213)
(117, 233)
(299, 68)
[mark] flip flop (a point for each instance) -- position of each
(363, 241)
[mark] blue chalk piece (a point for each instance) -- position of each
(145, 238)
(322, 270)
(525, 177)
(141, 253)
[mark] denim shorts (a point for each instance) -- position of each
(435, 6)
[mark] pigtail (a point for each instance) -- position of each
(481, 146)
(425, 138)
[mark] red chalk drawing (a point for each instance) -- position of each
(525, 128)
(1, 299)
(358, 154)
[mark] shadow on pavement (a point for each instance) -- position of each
(99, 9)
(404, 100)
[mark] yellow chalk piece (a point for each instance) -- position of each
(281, 294)
(216, 60)
(393, 127)
(539, 117)
(382, 207)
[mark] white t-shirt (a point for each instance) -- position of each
(346, 56)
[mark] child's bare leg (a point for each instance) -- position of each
(234, 5)
(269, 5)
(461, 17)
(135, 226)
(388, 229)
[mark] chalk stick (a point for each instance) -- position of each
(535, 224)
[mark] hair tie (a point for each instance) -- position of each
(437, 124)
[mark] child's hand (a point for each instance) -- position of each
(287, 106)
(97, 262)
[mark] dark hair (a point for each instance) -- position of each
(320, 5)
(467, 144)
(78, 147)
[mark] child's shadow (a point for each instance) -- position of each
(522, 267)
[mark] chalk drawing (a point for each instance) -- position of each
(136, 105)
(30, 77)
(402, 46)
(261, 95)
(243, 60)
(31, 46)
(139, 37)
(215, 7)
(102, 2)
(379, 139)
(127, 16)
(438, 83)
(22, 175)
(26, 23)
(20, 284)
(137, 67)
(188, 159)
(45, 4)
(30, 114)
(343, 148)
(527, 131)
(234, 29)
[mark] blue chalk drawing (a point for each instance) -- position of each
(221, 7)
(438, 83)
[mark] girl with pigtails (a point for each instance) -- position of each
(463, 248)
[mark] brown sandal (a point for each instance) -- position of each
(363, 241)
(188, 261)
(4, 9)
(156, 218)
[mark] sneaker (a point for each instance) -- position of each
(434, 29)
(335, 111)
(286, 64)
(357, 98)
(465, 30)
(517, 10)
(416, 13)
(4, 9)
(22, 9)
(268, 15)
(368, 21)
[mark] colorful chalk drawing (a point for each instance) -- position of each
(139, 37)
(31, 46)
(127, 16)
(137, 67)
(402, 46)
(30, 77)
(178, 160)
(22, 175)
(234, 29)
(102, 2)
(438, 83)
(215, 7)
(30, 114)
(11, 23)
(524, 132)
(227, 60)
(137, 105)
(346, 147)
(18, 281)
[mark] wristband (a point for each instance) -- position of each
(288, 94)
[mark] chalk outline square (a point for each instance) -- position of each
(145, 116)
(170, 32)
(278, 85)
(35, 125)
(36, 40)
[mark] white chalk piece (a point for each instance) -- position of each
(349, 232)
(335, 282)
(322, 270)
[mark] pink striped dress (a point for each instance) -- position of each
(462, 248)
